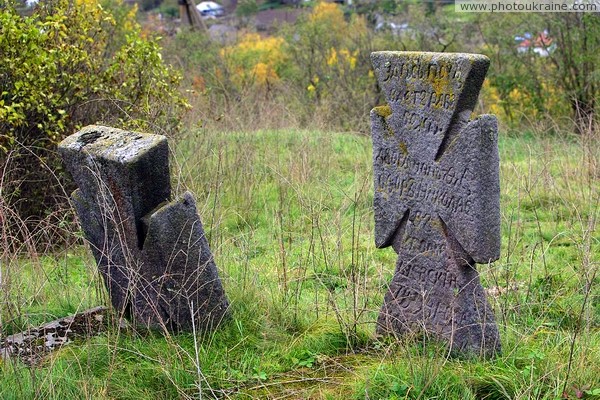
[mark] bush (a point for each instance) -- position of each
(555, 75)
(67, 65)
(314, 73)
(255, 60)
(330, 60)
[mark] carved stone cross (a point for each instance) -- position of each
(436, 196)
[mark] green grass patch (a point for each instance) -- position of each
(289, 218)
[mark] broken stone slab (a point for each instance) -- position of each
(152, 253)
(184, 268)
(436, 197)
(33, 344)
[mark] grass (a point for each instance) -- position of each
(289, 218)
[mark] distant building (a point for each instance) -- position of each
(541, 44)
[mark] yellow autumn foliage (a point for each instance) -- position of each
(519, 103)
(255, 59)
(327, 20)
(333, 58)
(329, 13)
(264, 73)
(342, 60)
(491, 99)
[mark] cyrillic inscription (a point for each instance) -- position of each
(430, 178)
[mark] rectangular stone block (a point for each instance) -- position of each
(152, 254)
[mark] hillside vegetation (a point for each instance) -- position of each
(270, 132)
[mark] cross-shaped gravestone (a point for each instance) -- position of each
(152, 252)
(437, 196)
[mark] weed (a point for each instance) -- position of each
(289, 216)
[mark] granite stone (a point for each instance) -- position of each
(152, 253)
(436, 199)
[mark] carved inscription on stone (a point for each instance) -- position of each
(436, 196)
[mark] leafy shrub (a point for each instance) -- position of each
(67, 65)
(315, 72)
(554, 72)
(246, 8)
(255, 60)
(329, 57)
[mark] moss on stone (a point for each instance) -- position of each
(383, 111)
(403, 148)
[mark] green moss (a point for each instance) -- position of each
(403, 148)
(383, 111)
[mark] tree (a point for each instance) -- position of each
(560, 57)
(577, 63)
(67, 65)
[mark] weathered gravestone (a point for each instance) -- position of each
(152, 253)
(436, 196)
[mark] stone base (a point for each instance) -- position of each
(447, 303)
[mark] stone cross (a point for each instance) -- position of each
(152, 252)
(437, 197)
